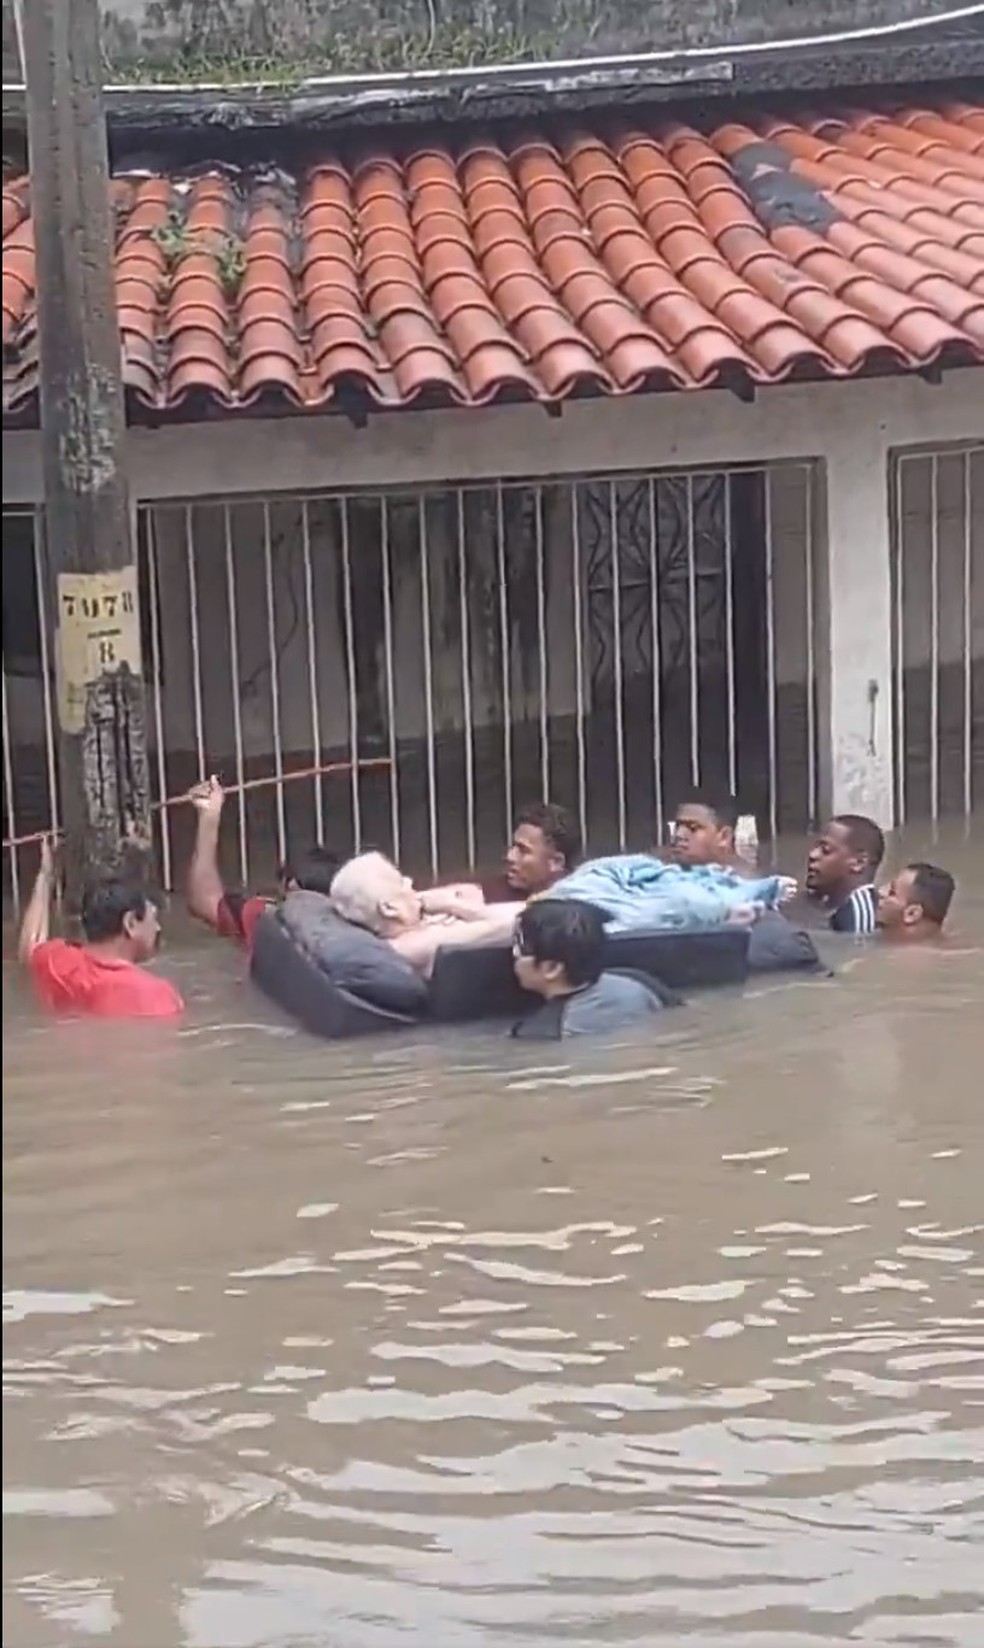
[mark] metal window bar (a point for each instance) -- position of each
(657, 662)
(196, 651)
(933, 623)
(541, 636)
(310, 631)
(390, 688)
(662, 628)
(464, 620)
(423, 549)
(157, 677)
(237, 711)
(770, 663)
(273, 662)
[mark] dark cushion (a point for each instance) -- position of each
(776, 946)
(478, 983)
(355, 985)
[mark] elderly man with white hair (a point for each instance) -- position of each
(371, 892)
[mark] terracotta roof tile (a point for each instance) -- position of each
(550, 264)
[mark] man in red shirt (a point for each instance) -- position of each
(102, 977)
(231, 914)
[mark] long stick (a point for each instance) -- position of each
(231, 789)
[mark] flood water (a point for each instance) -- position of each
(452, 1343)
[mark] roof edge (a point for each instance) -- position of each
(915, 51)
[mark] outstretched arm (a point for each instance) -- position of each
(421, 944)
(205, 890)
(37, 916)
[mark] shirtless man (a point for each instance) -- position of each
(915, 904)
(370, 892)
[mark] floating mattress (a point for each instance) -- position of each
(354, 985)
(479, 983)
(339, 981)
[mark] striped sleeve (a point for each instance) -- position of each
(858, 913)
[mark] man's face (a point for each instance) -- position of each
(144, 932)
(830, 861)
(698, 837)
(536, 976)
(532, 862)
(897, 903)
(399, 900)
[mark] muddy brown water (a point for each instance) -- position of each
(448, 1343)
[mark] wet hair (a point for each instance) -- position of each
(355, 890)
(106, 905)
(933, 888)
(566, 931)
(863, 837)
(557, 826)
(722, 807)
(314, 870)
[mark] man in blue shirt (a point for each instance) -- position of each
(841, 869)
(558, 955)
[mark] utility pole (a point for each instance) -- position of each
(103, 764)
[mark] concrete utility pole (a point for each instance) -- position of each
(88, 525)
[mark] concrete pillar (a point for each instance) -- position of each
(854, 626)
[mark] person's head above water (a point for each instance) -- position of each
(313, 871)
(546, 844)
(559, 946)
(845, 855)
(371, 892)
(704, 828)
(122, 918)
(916, 903)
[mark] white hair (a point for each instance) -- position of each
(360, 887)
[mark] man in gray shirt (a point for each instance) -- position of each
(558, 955)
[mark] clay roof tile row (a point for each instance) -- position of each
(545, 266)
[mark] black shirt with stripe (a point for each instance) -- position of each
(858, 913)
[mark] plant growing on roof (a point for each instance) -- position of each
(178, 241)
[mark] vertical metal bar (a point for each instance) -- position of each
(770, 659)
(657, 656)
(968, 640)
(312, 655)
(423, 544)
(618, 663)
(505, 633)
(8, 784)
(350, 668)
(237, 712)
(934, 637)
(541, 638)
(692, 633)
(278, 750)
(582, 762)
(729, 637)
(811, 670)
(384, 544)
(466, 685)
(157, 671)
(50, 748)
(899, 592)
(196, 654)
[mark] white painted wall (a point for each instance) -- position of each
(851, 427)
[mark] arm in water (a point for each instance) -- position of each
(205, 890)
(37, 917)
(419, 946)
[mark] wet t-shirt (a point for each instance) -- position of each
(858, 913)
(70, 978)
(615, 1002)
(238, 915)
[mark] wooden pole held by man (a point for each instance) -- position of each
(88, 527)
